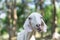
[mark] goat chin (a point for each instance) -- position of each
(56, 36)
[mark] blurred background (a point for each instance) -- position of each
(14, 12)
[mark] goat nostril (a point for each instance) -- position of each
(38, 25)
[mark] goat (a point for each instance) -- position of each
(33, 23)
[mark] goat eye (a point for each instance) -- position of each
(30, 18)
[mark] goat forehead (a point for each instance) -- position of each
(36, 18)
(36, 14)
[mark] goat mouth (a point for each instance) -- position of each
(38, 29)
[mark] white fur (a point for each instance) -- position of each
(36, 19)
(56, 36)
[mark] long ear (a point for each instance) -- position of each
(44, 27)
(27, 26)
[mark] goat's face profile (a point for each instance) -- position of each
(35, 22)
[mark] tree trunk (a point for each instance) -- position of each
(36, 4)
(54, 18)
(41, 7)
(14, 17)
(42, 12)
(8, 18)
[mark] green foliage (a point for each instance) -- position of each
(48, 16)
(20, 15)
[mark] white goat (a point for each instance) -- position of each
(33, 23)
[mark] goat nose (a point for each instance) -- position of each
(37, 25)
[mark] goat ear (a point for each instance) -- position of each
(44, 26)
(27, 26)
